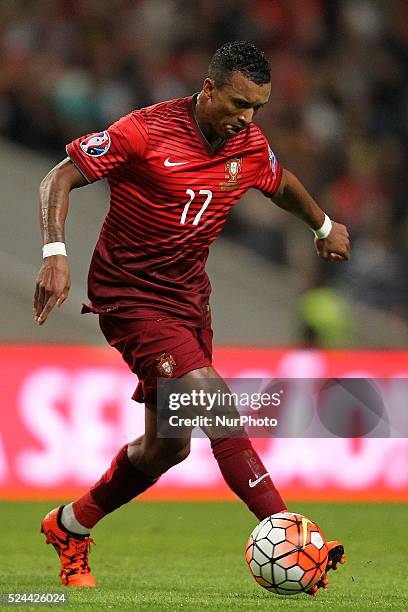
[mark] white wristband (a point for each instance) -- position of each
(325, 229)
(54, 248)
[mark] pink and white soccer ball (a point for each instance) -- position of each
(287, 553)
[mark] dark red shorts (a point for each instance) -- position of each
(158, 346)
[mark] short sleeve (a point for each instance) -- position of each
(270, 173)
(98, 155)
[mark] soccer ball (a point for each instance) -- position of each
(287, 553)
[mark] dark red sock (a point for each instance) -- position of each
(118, 485)
(241, 467)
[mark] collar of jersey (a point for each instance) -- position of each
(191, 104)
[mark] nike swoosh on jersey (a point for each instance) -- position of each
(169, 163)
(253, 483)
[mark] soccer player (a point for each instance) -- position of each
(175, 170)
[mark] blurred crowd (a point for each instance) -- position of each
(337, 116)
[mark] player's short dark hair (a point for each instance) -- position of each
(239, 56)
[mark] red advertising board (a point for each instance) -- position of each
(65, 411)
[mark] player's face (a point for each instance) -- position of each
(232, 106)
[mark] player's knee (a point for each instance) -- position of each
(176, 452)
(181, 453)
(166, 453)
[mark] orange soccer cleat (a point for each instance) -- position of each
(336, 555)
(72, 549)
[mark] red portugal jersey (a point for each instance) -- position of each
(170, 195)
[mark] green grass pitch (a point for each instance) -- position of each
(190, 556)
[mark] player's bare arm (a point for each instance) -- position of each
(53, 280)
(293, 197)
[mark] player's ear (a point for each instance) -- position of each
(208, 87)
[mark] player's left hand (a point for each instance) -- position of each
(51, 287)
(336, 247)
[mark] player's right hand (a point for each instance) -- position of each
(336, 247)
(52, 286)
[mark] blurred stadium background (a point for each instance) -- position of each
(337, 118)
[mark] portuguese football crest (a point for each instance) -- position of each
(165, 364)
(233, 169)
